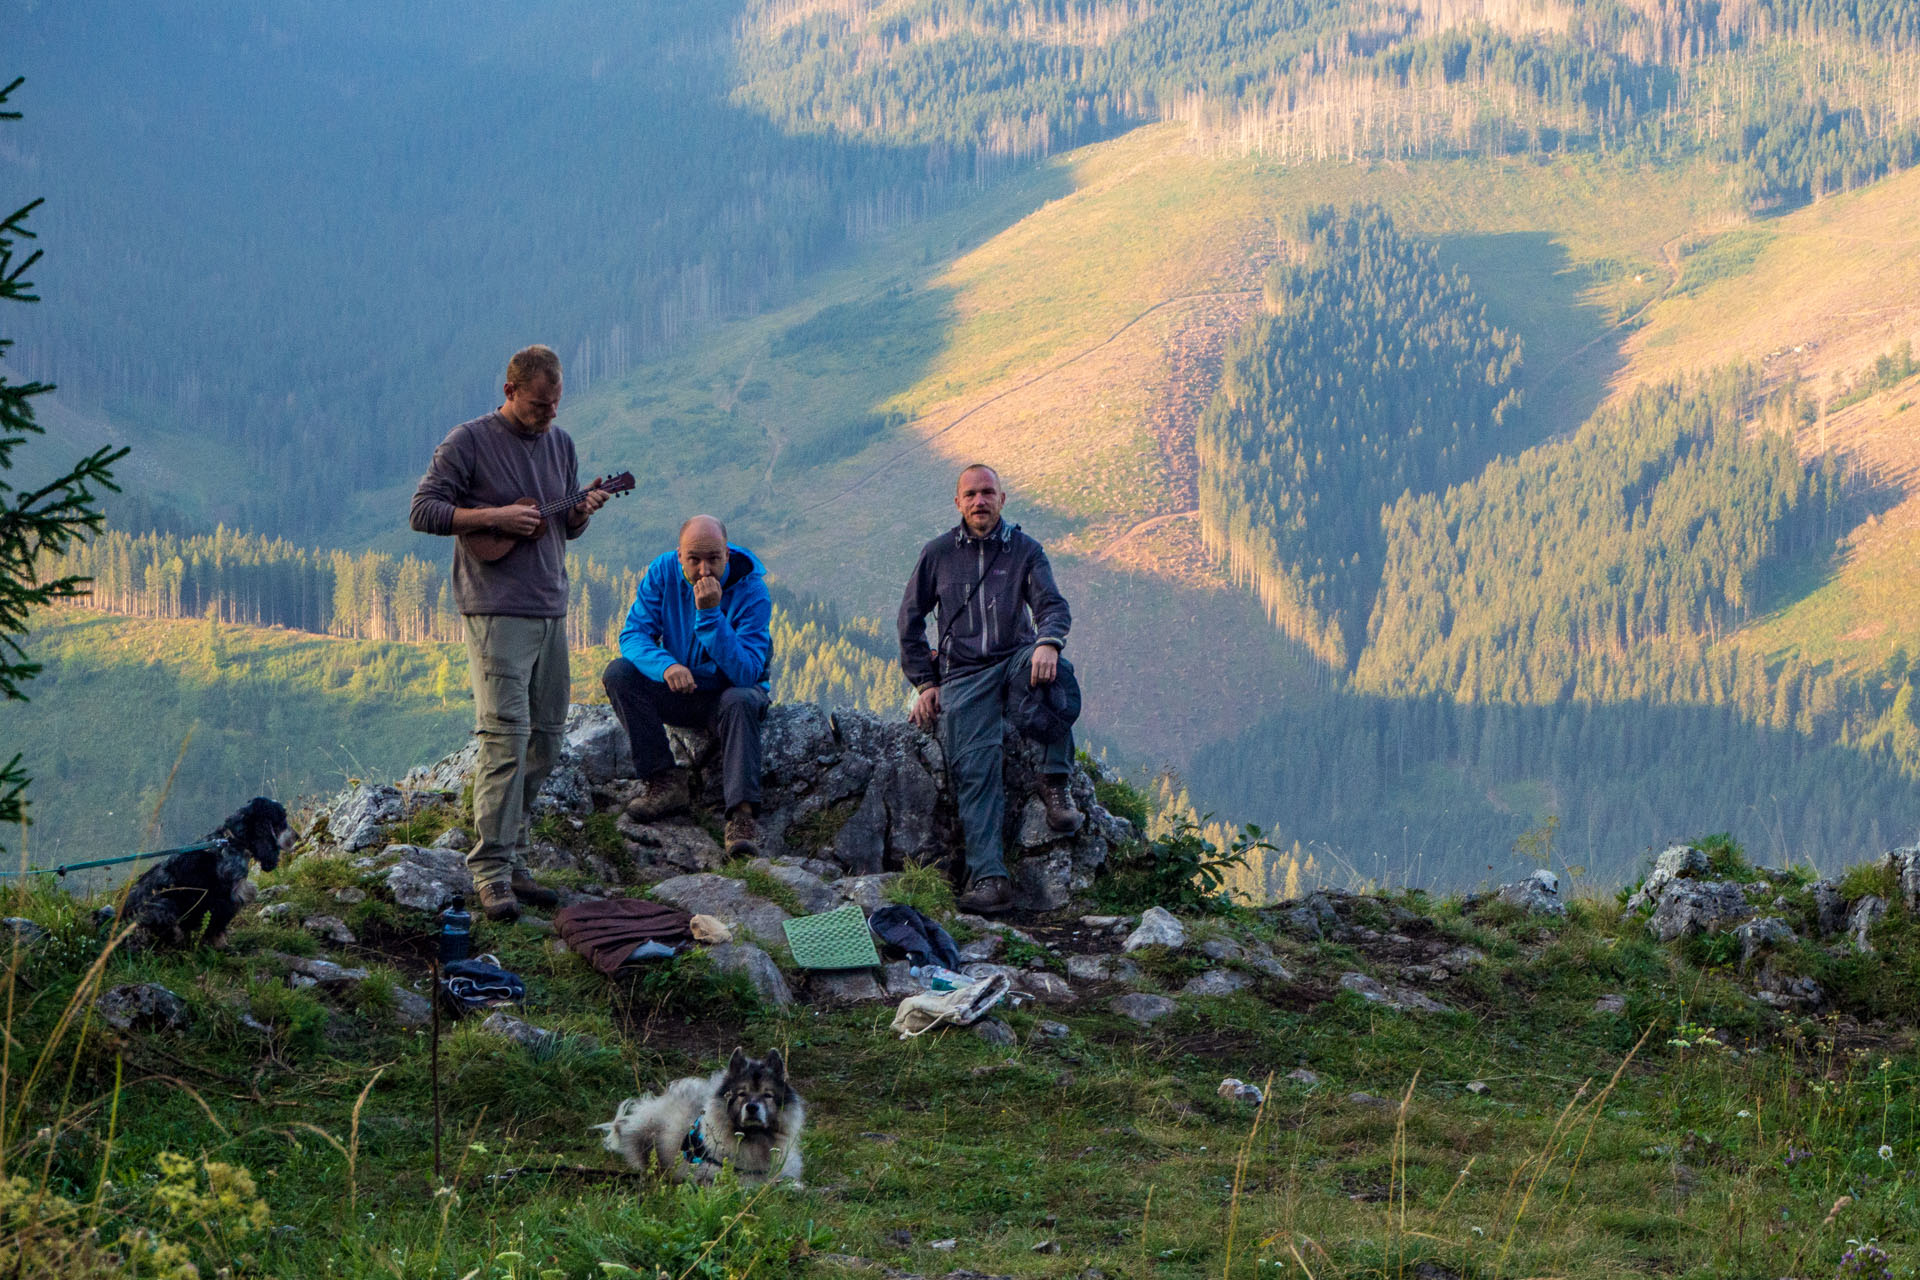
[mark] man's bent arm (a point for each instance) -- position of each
(638, 643)
(740, 648)
(916, 657)
(1051, 617)
(436, 507)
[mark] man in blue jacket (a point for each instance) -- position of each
(694, 653)
(1002, 626)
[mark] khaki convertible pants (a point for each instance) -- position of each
(520, 688)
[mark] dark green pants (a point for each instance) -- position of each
(520, 689)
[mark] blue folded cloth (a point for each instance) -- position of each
(480, 983)
(903, 929)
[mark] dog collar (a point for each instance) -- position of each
(694, 1145)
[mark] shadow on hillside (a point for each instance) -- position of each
(1427, 793)
(1531, 287)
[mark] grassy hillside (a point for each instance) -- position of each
(241, 711)
(1076, 348)
(1588, 1103)
(221, 712)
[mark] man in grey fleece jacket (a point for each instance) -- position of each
(515, 608)
(1003, 623)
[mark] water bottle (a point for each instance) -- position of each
(456, 932)
(939, 978)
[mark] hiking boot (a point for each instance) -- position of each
(498, 902)
(664, 793)
(1062, 816)
(531, 891)
(989, 896)
(743, 833)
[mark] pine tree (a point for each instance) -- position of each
(47, 519)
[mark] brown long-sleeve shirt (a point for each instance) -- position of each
(488, 463)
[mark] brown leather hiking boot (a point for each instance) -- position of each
(989, 896)
(1062, 816)
(531, 891)
(664, 793)
(498, 902)
(743, 833)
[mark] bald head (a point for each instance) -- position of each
(703, 549)
(703, 527)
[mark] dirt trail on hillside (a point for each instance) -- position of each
(924, 441)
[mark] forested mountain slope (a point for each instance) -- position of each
(804, 260)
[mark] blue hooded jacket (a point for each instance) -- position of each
(730, 645)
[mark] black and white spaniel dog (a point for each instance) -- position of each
(208, 886)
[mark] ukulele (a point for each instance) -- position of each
(490, 546)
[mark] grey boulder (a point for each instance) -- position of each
(361, 820)
(1158, 928)
(1144, 1008)
(708, 894)
(1866, 913)
(1676, 862)
(597, 744)
(1215, 982)
(761, 971)
(1905, 864)
(1538, 894)
(521, 1032)
(142, 1006)
(428, 879)
(1374, 991)
(1689, 907)
(1764, 934)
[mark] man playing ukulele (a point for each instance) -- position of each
(491, 476)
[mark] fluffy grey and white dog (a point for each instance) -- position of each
(746, 1116)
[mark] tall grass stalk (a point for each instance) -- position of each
(1397, 1169)
(353, 1146)
(1146, 1215)
(1240, 1176)
(1555, 1139)
(1599, 1106)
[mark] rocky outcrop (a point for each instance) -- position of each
(1676, 862)
(1905, 865)
(849, 796)
(1760, 936)
(1688, 907)
(141, 1006)
(361, 819)
(1158, 928)
(1538, 894)
(427, 879)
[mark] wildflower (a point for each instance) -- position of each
(1886, 1152)
(1744, 1115)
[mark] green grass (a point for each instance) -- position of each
(122, 701)
(925, 888)
(1110, 1143)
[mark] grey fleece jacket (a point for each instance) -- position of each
(488, 463)
(1017, 604)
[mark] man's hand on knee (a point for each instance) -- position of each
(926, 708)
(679, 679)
(1046, 664)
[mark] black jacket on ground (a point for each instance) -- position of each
(1016, 604)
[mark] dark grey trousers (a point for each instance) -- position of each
(972, 714)
(645, 707)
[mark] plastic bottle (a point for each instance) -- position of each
(939, 978)
(456, 932)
